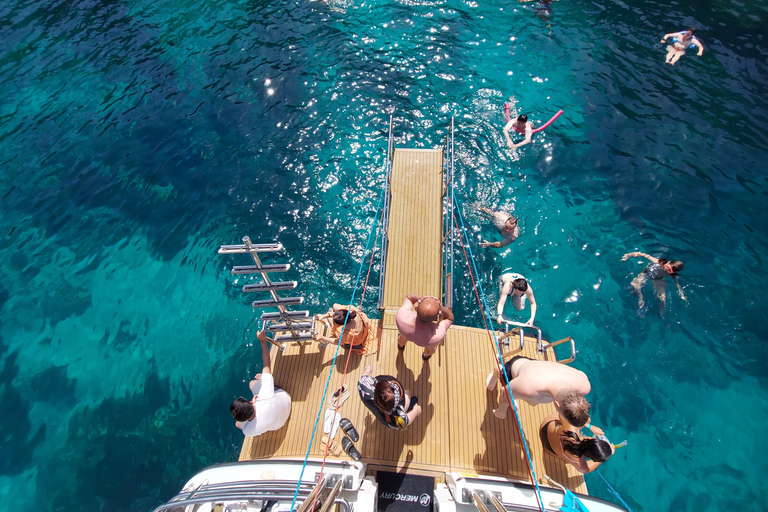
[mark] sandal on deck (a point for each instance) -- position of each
(349, 429)
(426, 358)
(339, 397)
(333, 446)
(349, 447)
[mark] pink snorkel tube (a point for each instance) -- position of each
(544, 126)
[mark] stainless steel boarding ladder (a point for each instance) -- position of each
(543, 345)
(295, 326)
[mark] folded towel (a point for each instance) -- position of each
(331, 422)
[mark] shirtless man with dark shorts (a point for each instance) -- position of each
(541, 382)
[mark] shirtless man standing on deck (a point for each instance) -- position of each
(541, 382)
(423, 321)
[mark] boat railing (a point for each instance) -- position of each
(448, 206)
(519, 328)
(286, 325)
(385, 212)
(567, 339)
(272, 490)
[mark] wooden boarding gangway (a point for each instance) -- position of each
(457, 431)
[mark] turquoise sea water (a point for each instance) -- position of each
(136, 137)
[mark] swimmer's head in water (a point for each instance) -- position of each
(522, 119)
(674, 265)
(574, 407)
(340, 316)
(428, 309)
(520, 284)
(511, 222)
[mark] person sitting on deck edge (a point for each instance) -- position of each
(386, 398)
(567, 445)
(357, 332)
(271, 405)
(425, 325)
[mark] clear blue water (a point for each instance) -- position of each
(138, 136)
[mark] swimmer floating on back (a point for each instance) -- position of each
(658, 271)
(680, 42)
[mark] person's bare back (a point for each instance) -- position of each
(422, 321)
(538, 382)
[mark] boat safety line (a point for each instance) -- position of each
(614, 491)
(333, 363)
(499, 359)
(349, 352)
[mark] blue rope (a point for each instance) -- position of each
(614, 492)
(457, 207)
(335, 355)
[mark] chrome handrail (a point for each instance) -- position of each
(385, 212)
(278, 490)
(522, 328)
(559, 342)
(448, 232)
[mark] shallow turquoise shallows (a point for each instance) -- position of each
(138, 136)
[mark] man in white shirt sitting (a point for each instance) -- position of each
(271, 405)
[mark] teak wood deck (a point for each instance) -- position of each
(457, 431)
(414, 257)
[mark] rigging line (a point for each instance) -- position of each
(349, 354)
(333, 362)
(531, 472)
(510, 401)
(614, 491)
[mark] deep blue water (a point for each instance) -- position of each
(136, 137)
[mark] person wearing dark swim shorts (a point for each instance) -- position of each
(541, 382)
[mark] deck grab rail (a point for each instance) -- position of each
(385, 213)
(448, 206)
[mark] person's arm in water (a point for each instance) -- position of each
(527, 139)
(671, 34)
(639, 255)
(503, 300)
(679, 288)
(507, 127)
(504, 242)
(532, 299)
(698, 45)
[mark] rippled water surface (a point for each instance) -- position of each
(137, 136)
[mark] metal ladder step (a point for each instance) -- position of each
(282, 301)
(290, 337)
(295, 326)
(254, 269)
(241, 249)
(282, 285)
(283, 317)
